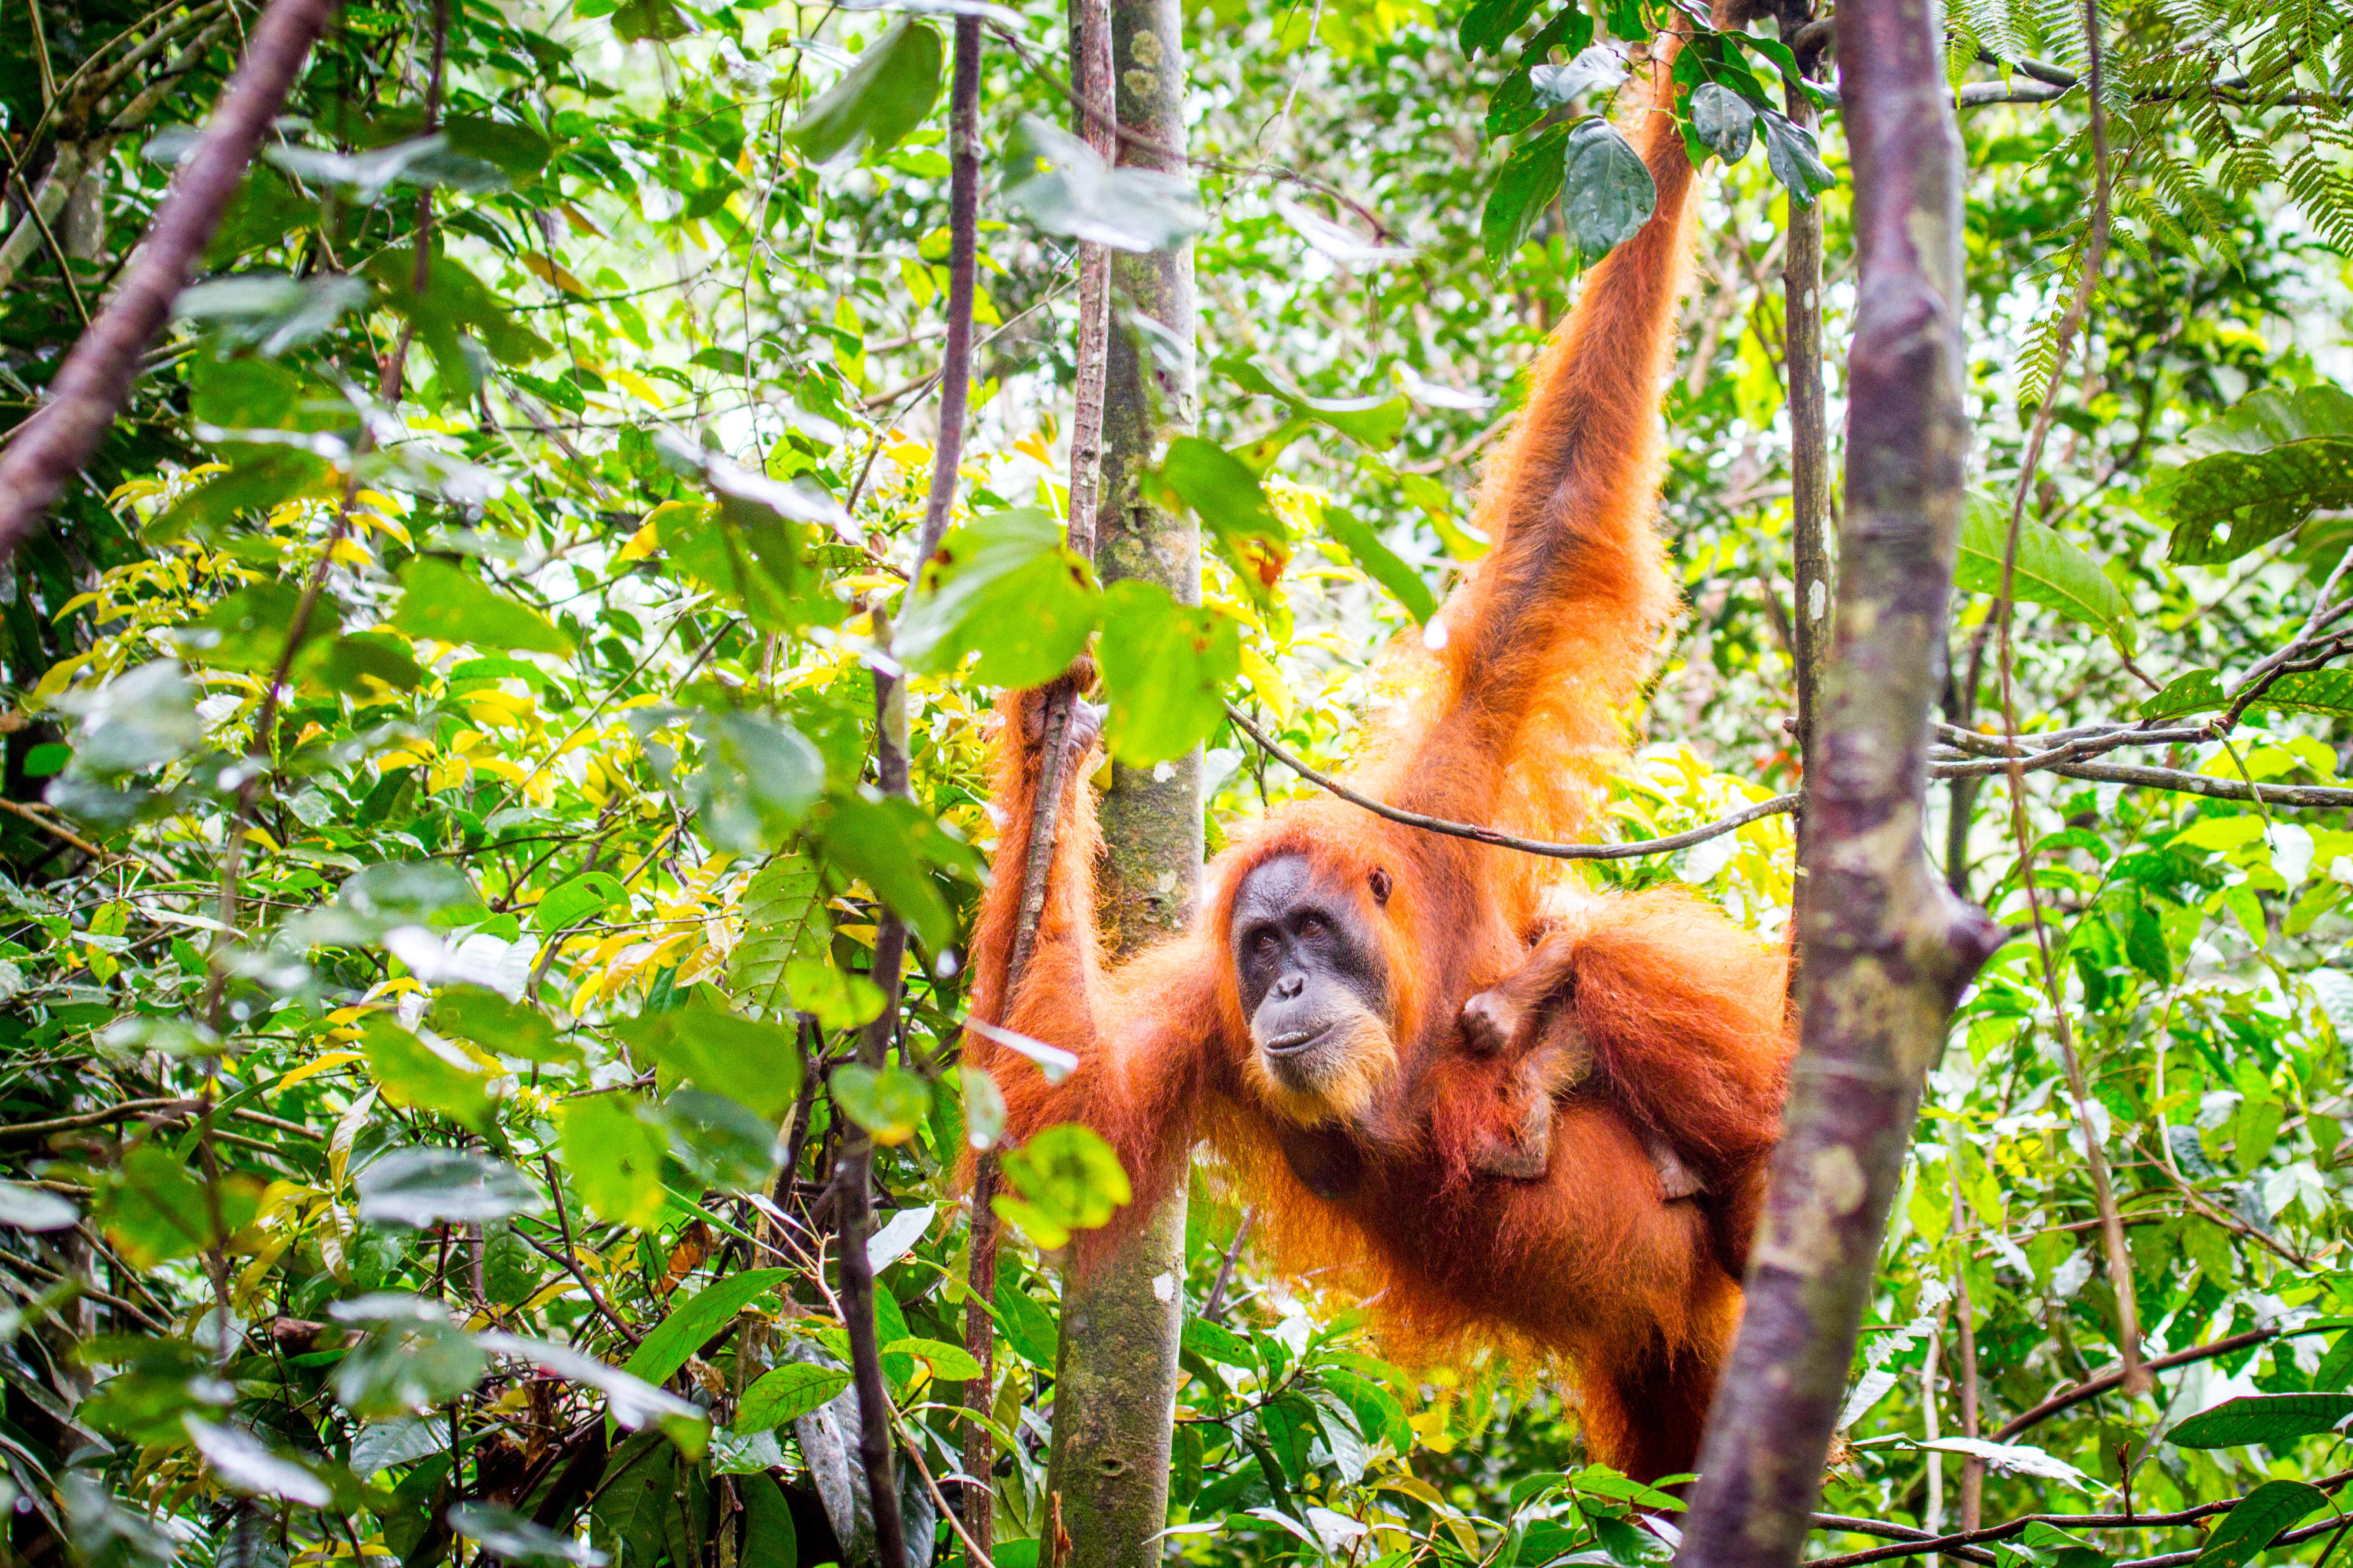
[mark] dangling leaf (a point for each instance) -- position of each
(2049, 571)
(1608, 193)
(883, 96)
(2261, 468)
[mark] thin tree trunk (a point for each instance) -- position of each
(1801, 345)
(964, 227)
(1091, 77)
(1886, 948)
(1116, 1364)
(91, 386)
(852, 1195)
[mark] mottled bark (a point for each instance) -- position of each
(1116, 1404)
(91, 386)
(1886, 948)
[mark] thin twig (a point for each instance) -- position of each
(1501, 840)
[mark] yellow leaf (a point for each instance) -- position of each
(630, 382)
(581, 222)
(640, 545)
(313, 1068)
(547, 269)
(1267, 681)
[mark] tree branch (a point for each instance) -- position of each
(96, 377)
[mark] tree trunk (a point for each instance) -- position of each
(1115, 1368)
(1886, 948)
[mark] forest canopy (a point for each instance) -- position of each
(498, 725)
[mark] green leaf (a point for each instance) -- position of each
(569, 902)
(650, 21)
(456, 308)
(615, 1158)
(757, 781)
(784, 920)
(690, 1323)
(1487, 24)
(2199, 691)
(894, 846)
(1167, 666)
(1376, 422)
(1380, 563)
(1069, 1180)
(2269, 1419)
(1531, 178)
(1607, 194)
(153, 1211)
(438, 600)
(1064, 186)
(1796, 162)
(890, 1103)
(787, 1394)
(2327, 693)
(2261, 1514)
(1026, 1323)
(244, 394)
(1003, 586)
(34, 1208)
(248, 630)
(1725, 122)
(1214, 1341)
(2050, 572)
(949, 1364)
(1534, 87)
(838, 1000)
(755, 1064)
(769, 1539)
(503, 1027)
(750, 547)
(426, 1075)
(2254, 473)
(883, 96)
(1226, 494)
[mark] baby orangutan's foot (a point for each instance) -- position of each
(1491, 1021)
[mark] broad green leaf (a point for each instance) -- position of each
(788, 1393)
(885, 94)
(722, 1142)
(1380, 563)
(2199, 691)
(140, 719)
(1487, 24)
(456, 308)
(894, 847)
(1795, 159)
(784, 920)
(249, 629)
(152, 1210)
(837, 1000)
(426, 1075)
(1534, 87)
(248, 394)
(1229, 499)
(758, 780)
(1607, 190)
(1026, 1323)
(755, 1064)
(1375, 422)
(614, 1159)
(1531, 178)
(243, 1464)
(2327, 693)
(2049, 572)
(1069, 1180)
(1725, 122)
(2243, 1533)
(2269, 1419)
(502, 1027)
(1167, 666)
(422, 1187)
(441, 601)
(769, 1538)
(949, 1364)
(691, 1322)
(650, 21)
(745, 550)
(890, 1103)
(1003, 586)
(569, 902)
(2254, 473)
(1216, 1343)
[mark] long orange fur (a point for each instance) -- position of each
(1514, 721)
